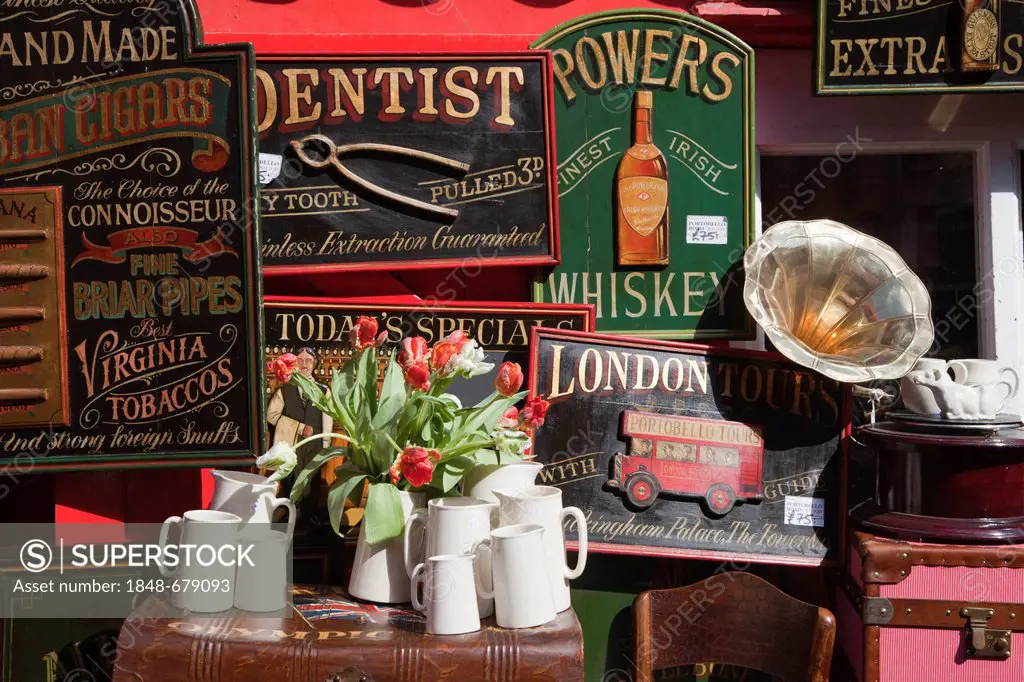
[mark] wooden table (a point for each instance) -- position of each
(328, 637)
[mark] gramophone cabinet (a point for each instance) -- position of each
(914, 611)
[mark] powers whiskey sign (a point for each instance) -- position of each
(899, 46)
(128, 289)
(655, 163)
(410, 162)
(680, 450)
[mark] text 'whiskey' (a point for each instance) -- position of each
(641, 189)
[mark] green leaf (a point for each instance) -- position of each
(383, 516)
(341, 489)
(392, 395)
(366, 378)
(485, 456)
(313, 392)
(452, 471)
(306, 473)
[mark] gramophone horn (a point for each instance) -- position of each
(838, 301)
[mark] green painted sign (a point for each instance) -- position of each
(655, 141)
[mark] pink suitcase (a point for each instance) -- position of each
(909, 612)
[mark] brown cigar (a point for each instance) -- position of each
(23, 395)
(15, 314)
(20, 355)
(22, 236)
(23, 273)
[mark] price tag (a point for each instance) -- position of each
(707, 229)
(805, 511)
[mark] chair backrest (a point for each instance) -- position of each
(736, 619)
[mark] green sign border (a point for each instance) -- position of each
(749, 331)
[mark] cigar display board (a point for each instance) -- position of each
(681, 450)
(128, 284)
(870, 48)
(376, 163)
(654, 112)
(324, 326)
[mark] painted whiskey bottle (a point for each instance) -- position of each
(641, 194)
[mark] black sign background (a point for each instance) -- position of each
(496, 326)
(164, 144)
(584, 430)
(842, 23)
(298, 232)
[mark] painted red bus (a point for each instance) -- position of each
(718, 461)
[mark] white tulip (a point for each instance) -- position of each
(281, 458)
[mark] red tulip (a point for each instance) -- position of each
(364, 334)
(447, 348)
(509, 379)
(414, 352)
(283, 367)
(532, 415)
(509, 420)
(417, 465)
(417, 376)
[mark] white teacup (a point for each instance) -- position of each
(991, 377)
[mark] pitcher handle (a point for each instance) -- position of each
(959, 371)
(481, 590)
(414, 580)
(164, 531)
(1016, 381)
(581, 557)
(418, 516)
(292, 514)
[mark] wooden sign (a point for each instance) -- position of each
(654, 110)
(323, 328)
(424, 161)
(683, 450)
(867, 47)
(128, 284)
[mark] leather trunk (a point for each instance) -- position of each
(942, 613)
(327, 637)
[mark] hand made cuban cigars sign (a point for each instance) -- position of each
(872, 47)
(681, 450)
(128, 288)
(419, 161)
(655, 160)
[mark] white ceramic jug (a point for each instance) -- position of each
(451, 525)
(449, 593)
(378, 571)
(520, 600)
(481, 481)
(251, 497)
(542, 505)
(202, 527)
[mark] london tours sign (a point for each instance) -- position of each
(918, 46)
(128, 263)
(674, 449)
(419, 161)
(654, 112)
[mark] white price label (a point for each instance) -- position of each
(805, 511)
(707, 229)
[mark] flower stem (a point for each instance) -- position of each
(321, 435)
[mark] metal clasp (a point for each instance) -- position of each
(984, 643)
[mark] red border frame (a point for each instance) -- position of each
(846, 417)
(554, 254)
(61, 274)
(388, 303)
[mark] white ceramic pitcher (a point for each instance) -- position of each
(451, 525)
(251, 497)
(520, 600)
(482, 479)
(542, 505)
(378, 571)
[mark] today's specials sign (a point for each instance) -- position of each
(899, 46)
(654, 115)
(502, 330)
(128, 292)
(412, 162)
(680, 450)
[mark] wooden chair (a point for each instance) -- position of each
(735, 619)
